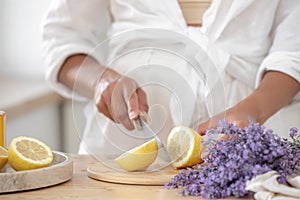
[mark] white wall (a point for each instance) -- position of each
(72, 129)
(40, 123)
(20, 38)
(20, 56)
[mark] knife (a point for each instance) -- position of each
(141, 124)
(148, 131)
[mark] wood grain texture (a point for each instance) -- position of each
(193, 10)
(104, 173)
(82, 187)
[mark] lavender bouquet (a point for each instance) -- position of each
(248, 152)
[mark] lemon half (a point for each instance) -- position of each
(25, 153)
(138, 158)
(184, 147)
(3, 157)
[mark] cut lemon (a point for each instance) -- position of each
(3, 157)
(25, 153)
(138, 158)
(184, 147)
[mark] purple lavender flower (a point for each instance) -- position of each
(293, 132)
(249, 152)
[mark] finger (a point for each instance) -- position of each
(133, 106)
(119, 108)
(127, 123)
(223, 137)
(211, 123)
(107, 100)
(101, 106)
(240, 123)
(121, 115)
(115, 103)
(129, 88)
(201, 129)
(142, 99)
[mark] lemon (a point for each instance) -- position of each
(184, 147)
(3, 157)
(25, 153)
(138, 158)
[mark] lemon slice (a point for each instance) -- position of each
(184, 147)
(3, 157)
(138, 158)
(25, 153)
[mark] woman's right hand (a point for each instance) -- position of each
(119, 98)
(116, 96)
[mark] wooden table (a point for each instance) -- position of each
(83, 187)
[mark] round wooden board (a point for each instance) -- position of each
(59, 171)
(102, 172)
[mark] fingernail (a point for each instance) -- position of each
(133, 115)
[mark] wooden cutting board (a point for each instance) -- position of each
(108, 173)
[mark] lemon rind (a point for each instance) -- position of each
(184, 162)
(20, 162)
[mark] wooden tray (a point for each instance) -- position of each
(59, 171)
(110, 173)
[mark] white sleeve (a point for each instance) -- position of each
(71, 27)
(284, 54)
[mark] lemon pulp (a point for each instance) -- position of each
(138, 158)
(184, 147)
(3, 157)
(25, 153)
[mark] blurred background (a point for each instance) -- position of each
(32, 108)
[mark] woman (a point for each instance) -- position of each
(257, 42)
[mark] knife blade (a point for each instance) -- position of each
(164, 155)
(148, 131)
(141, 125)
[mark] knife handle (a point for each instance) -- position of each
(137, 122)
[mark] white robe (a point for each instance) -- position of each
(243, 39)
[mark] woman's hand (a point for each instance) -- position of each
(117, 97)
(275, 91)
(233, 115)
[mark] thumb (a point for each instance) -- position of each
(201, 129)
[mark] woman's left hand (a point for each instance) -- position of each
(233, 115)
(275, 91)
